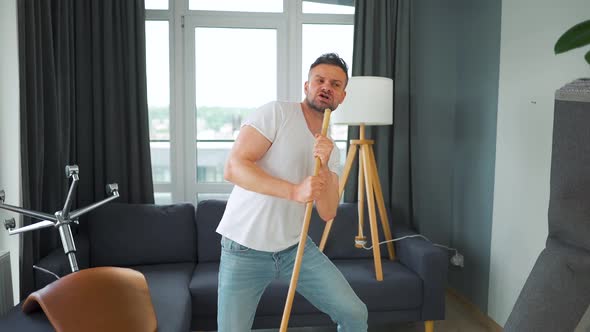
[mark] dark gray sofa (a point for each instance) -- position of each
(178, 251)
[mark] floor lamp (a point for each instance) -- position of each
(369, 101)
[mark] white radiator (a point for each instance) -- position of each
(6, 299)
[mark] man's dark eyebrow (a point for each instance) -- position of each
(320, 76)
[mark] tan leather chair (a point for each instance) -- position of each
(97, 299)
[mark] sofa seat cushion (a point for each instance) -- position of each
(204, 285)
(402, 286)
(16, 320)
(168, 285)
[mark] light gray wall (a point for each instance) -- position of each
(455, 63)
(9, 130)
(529, 75)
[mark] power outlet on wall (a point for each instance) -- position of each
(457, 259)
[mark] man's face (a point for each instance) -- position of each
(325, 88)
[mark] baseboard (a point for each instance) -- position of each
(477, 313)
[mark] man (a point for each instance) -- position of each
(271, 164)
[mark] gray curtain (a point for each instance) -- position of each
(381, 48)
(83, 101)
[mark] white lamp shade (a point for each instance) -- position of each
(369, 101)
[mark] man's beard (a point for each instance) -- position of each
(317, 107)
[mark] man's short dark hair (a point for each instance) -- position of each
(331, 59)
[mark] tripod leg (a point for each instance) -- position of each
(347, 166)
(372, 215)
(381, 204)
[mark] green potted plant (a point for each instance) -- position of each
(576, 36)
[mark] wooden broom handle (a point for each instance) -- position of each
(303, 237)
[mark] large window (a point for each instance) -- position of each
(232, 78)
(211, 62)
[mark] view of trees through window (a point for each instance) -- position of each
(220, 122)
(217, 123)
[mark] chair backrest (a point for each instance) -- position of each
(564, 264)
(97, 299)
(569, 198)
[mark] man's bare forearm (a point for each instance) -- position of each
(328, 202)
(250, 176)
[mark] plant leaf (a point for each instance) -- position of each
(576, 36)
(587, 57)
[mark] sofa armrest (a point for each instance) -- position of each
(431, 264)
(57, 262)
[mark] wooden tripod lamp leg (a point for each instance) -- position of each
(302, 239)
(347, 167)
(381, 205)
(372, 214)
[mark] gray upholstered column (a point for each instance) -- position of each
(557, 292)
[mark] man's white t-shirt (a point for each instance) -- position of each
(264, 222)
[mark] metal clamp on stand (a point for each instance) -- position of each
(61, 219)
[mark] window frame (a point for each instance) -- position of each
(183, 184)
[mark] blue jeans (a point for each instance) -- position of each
(245, 273)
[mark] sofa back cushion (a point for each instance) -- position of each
(340, 243)
(141, 234)
(209, 213)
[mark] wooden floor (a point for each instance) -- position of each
(458, 319)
